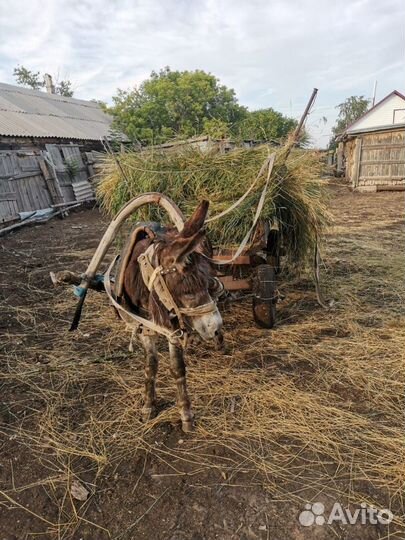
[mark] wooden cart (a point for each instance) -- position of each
(255, 271)
(253, 268)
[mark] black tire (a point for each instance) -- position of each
(264, 296)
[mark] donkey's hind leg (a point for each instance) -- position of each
(178, 371)
(151, 366)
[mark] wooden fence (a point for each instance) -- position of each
(32, 181)
(374, 160)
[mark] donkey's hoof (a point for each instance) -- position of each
(187, 425)
(148, 413)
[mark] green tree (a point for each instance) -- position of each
(64, 88)
(34, 79)
(264, 124)
(26, 77)
(174, 104)
(349, 111)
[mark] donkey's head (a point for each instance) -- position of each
(190, 274)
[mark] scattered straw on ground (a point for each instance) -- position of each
(314, 406)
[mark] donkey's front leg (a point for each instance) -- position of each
(178, 371)
(151, 366)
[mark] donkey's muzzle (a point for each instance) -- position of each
(208, 325)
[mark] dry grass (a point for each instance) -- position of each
(313, 407)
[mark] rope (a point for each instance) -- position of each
(269, 163)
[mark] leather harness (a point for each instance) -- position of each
(153, 278)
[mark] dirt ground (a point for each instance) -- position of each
(69, 403)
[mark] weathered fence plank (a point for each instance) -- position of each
(31, 181)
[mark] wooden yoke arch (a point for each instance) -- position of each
(110, 234)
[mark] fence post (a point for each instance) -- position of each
(356, 162)
(51, 182)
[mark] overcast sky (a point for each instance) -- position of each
(272, 52)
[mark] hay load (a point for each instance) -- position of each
(295, 197)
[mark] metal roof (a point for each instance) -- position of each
(32, 113)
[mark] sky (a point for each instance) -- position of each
(271, 52)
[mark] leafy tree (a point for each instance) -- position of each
(26, 77)
(175, 104)
(349, 111)
(35, 80)
(264, 124)
(64, 88)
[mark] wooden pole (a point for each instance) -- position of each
(65, 276)
(356, 162)
(51, 182)
(295, 137)
(305, 114)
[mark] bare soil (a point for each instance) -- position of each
(144, 492)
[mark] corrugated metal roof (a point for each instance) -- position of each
(83, 191)
(31, 113)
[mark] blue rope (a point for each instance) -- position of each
(79, 291)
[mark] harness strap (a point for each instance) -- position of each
(152, 278)
(241, 199)
(199, 310)
(140, 321)
(167, 295)
(269, 163)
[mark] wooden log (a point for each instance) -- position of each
(67, 277)
(45, 219)
(394, 187)
(242, 259)
(7, 219)
(70, 203)
(232, 284)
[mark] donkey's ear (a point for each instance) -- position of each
(182, 247)
(196, 221)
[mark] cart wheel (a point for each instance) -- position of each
(264, 296)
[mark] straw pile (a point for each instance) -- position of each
(295, 196)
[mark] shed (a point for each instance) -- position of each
(31, 119)
(372, 150)
(49, 146)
